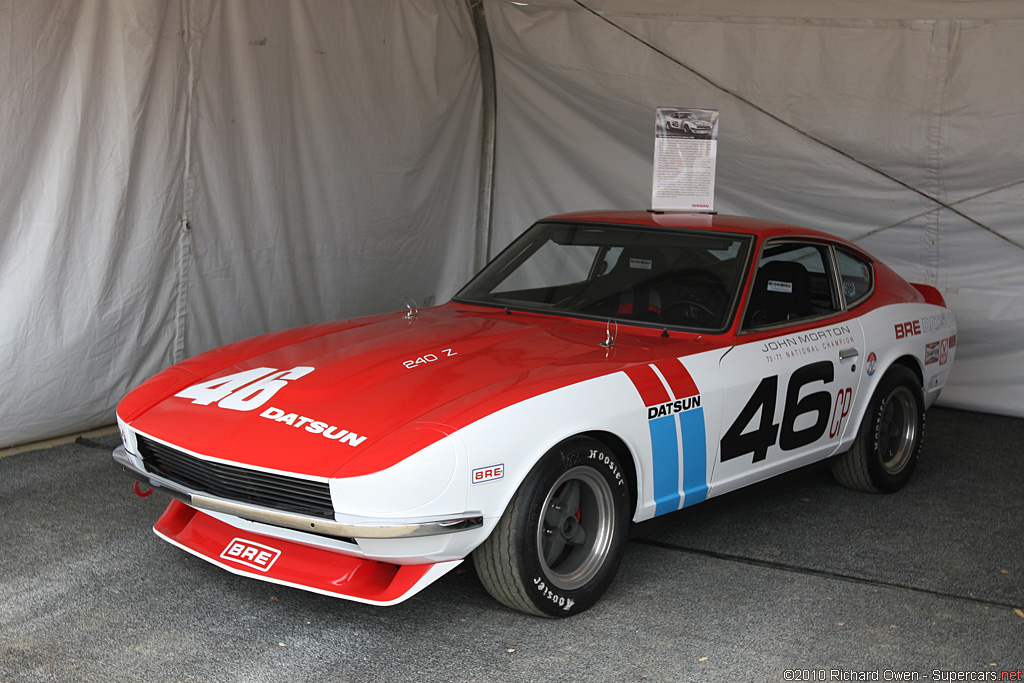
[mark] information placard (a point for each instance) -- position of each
(685, 148)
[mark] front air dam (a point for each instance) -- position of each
(293, 564)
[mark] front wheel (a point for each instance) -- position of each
(558, 544)
(887, 446)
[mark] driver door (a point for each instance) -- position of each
(792, 377)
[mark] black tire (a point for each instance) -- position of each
(558, 544)
(888, 443)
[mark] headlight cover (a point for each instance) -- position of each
(422, 483)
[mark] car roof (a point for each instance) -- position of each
(701, 221)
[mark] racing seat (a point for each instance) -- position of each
(781, 292)
(639, 268)
(644, 300)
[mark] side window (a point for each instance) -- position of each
(793, 282)
(857, 276)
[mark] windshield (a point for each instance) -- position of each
(653, 276)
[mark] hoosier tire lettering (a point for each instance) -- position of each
(557, 545)
(612, 464)
(561, 601)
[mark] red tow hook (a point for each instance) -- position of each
(138, 491)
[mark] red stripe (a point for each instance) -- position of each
(647, 382)
(678, 378)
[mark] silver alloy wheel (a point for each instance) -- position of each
(897, 430)
(574, 532)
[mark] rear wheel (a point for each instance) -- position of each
(885, 452)
(558, 544)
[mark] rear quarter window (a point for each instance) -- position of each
(857, 276)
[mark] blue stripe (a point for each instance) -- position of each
(695, 456)
(665, 445)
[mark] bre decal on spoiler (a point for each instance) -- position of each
(251, 554)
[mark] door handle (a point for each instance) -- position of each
(846, 354)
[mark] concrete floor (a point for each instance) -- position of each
(796, 573)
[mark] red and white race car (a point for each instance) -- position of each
(606, 368)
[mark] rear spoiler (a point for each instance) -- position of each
(931, 295)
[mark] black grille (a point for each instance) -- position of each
(275, 491)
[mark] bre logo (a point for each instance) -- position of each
(910, 328)
(489, 473)
(251, 554)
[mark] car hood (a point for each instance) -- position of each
(387, 386)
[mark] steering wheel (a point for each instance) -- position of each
(702, 299)
(690, 309)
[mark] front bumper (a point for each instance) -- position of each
(340, 529)
(288, 563)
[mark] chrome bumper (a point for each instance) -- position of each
(291, 520)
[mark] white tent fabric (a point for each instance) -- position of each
(91, 119)
(183, 173)
(337, 146)
(875, 121)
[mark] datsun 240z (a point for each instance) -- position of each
(604, 369)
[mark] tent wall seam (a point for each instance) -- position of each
(188, 189)
(806, 134)
(488, 135)
(922, 214)
(936, 77)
